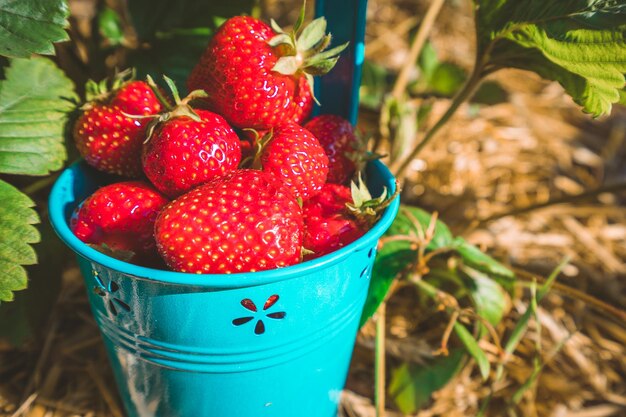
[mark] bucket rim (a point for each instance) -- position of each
(58, 199)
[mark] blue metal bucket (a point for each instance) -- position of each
(273, 343)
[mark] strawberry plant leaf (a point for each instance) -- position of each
(30, 26)
(488, 296)
(396, 256)
(475, 258)
(471, 345)
(35, 98)
(411, 385)
(404, 224)
(110, 26)
(391, 260)
(374, 85)
(16, 235)
(579, 43)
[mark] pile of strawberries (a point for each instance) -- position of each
(230, 178)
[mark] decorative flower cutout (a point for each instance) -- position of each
(107, 292)
(249, 305)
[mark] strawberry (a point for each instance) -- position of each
(339, 215)
(294, 155)
(136, 98)
(258, 76)
(247, 221)
(327, 226)
(118, 219)
(105, 136)
(188, 147)
(336, 135)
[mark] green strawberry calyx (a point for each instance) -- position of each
(366, 209)
(303, 50)
(181, 107)
(103, 91)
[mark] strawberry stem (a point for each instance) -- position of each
(173, 89)
(259, 145)
(158, 93)
(182, 108)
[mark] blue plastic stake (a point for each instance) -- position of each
(338, 91)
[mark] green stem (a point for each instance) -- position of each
(159, 94)
(461, 97)
(379, 372)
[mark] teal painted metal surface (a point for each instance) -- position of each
(338, 91)
(274, 343)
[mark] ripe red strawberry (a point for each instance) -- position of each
(294, 155)
(339, 215)
(109, 140)
(336, 135)
(119, 219)
(247, 221)
(187, 148)
(327, 225)
(136, 98)
(258, 76)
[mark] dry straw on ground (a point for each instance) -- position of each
(490, 161)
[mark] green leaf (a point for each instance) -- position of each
(35, 98)
(30, 26)
(391, 260)
(522, 324)
(474, 257)
(428, 62)
(471, 345)
(110, 25)
(622, 97)
(488, 296)
(395, 256)
(16, 233)
(412, 385)
(373, 85)
(403, 224)
(447, 79)
(579, 43)
(442, 80)
(490, 93)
